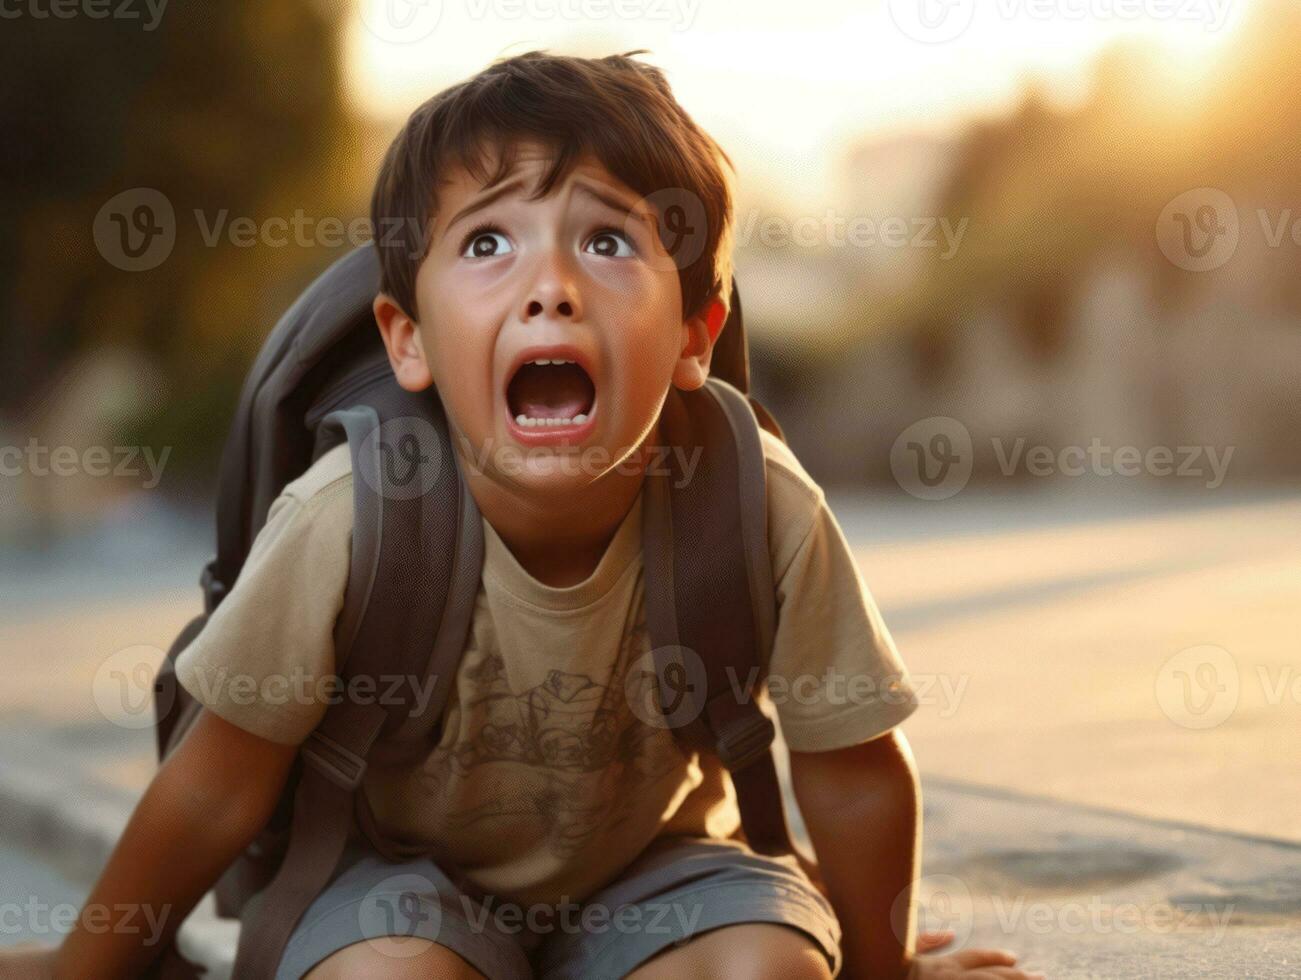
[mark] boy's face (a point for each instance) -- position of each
(577, 278)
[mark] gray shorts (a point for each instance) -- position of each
(679, 888)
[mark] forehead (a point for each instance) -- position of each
(528, 166)
(462, 193)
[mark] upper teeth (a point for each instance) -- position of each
(554, 360)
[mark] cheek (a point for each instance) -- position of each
(461, 367)
(454, 332)
(647, 304)
(646, 356)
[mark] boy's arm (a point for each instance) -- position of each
(862, 807)
(221, 785)
(208, 800)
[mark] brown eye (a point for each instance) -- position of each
(487, 244)
(611, 244)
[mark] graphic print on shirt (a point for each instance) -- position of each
(580, 760)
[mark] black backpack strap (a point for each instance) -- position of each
(709, 589)
(416, 541)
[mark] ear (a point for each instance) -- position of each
(406, 351)
(698, 336)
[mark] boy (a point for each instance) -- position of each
(524, 274)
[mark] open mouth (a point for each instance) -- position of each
(549, 393)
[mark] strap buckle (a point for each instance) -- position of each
(745, 737)
(337, 763)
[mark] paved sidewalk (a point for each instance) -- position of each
(1054, 638)
(1147, 662)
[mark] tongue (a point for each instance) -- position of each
(554, 391)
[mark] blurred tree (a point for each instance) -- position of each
(1049, 190)
(229, 110)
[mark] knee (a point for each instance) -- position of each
(779, 953)
(773, 952)
(394, 958)
(786, 962)
(754, 951)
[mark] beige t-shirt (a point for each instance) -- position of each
(546, 783)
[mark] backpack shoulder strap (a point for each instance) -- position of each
(416, 558)
(710, 599)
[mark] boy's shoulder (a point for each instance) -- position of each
(784, 469)
(796, 504)
(327, 474)
(315, 504)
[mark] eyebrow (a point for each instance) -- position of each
(610, 200)
(500, 190)
(613, 202)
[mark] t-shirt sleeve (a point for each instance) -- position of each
(835, 677)
(264, 661)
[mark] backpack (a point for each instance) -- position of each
(322, 378)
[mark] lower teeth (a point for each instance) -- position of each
(531, 423)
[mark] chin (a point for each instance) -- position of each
(547, 479)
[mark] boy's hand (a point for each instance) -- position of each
(928, 942)
(970, 964)
(27, 961)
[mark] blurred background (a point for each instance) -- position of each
(1022, 280)
(963, 227)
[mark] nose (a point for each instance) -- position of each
(553, 293)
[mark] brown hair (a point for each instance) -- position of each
(619, 110)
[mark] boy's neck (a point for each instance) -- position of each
(558, 542)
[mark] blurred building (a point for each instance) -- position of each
(1064, 317)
